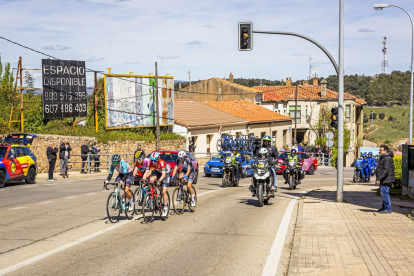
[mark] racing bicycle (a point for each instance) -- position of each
(181, 197)
(154, 202)
(117, 203)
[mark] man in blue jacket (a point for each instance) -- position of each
(371, 163)
(365, 167)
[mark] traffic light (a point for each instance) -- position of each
(334, 117)
(245, 36)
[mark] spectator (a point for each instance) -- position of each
(191, 147)
(295, 147)
(64, 156)
(84, 152)
(286, 148)
(51, 153)
(139, 153)
(314, 151)
(96, 157)
(301, 148)
(91, 154)
(320, 154)
(385, 176)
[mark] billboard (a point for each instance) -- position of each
(130, 101)
(64, 89)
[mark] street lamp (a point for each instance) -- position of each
(383, 6)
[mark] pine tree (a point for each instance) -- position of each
(6, 76)
(29, 83)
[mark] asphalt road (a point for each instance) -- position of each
(60, 228)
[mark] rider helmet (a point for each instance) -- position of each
(116, 158)
(370, 153)
(364, 154)
(233, 149)
(267, 138)
(293, 152)
(263, 151)
(181, 154)
(155, 156)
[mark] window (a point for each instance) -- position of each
(274, 133)
(284, 136)
(262, 134)
(209, 137)
(347, 112)
(3, 151)
(12, 151)
(20, 152)
(292, 113)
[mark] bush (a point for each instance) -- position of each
(381, 116)
(398, 169)
(390, 119)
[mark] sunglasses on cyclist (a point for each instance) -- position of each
(116, 162)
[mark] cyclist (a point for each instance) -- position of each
(161, 173)
(125, 176)
(293, 156)
(139, 153)
(187, 172)
(139, 168)
(272, 155)
(371, 163)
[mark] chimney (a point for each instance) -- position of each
(315, 81)
(288, 81)
(231, 78)
(305, 83)
(323, 88)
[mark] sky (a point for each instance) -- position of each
(202, 36)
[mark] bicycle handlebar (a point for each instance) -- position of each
(105, 186)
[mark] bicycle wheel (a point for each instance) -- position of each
(113, 207)
(139, 199)
(162, 206)
(148, 208)
(190, 207)
(129, 214)
(219, 145)
(178, 200)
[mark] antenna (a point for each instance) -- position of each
(384, 61)
(310, 67)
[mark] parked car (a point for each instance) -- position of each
(215, 165)
(17, 161)
(309, 164)
(170, 157)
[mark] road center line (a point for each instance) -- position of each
(69, 197)
(222, 189)
(90, 194)
(46, 202)
(18, 208)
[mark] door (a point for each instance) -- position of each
(24, 159)
(13, 165)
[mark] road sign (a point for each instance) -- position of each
(329, 143)
(330, 135)
(64, 89)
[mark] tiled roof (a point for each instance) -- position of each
(249, 89)
(191, 113)
(310, 92)
(248, 111)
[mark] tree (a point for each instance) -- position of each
(390, 119)
(29, 83)
(381, 116)
(282, 82)
(373, 116)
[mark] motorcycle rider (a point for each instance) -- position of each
(262, 157)
(371, 163)
(366, 168)
(272, 156)
(236, 159)
(297, 159)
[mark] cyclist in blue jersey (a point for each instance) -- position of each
(187, 172)
(125, 176)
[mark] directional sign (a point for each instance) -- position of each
(329, 135)
(329, 143)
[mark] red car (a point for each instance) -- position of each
(170, 157)
(309, 164)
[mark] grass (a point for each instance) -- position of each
(388, 132)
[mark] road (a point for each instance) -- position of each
(60, 228)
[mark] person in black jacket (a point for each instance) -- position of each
(385, 176)
(64, 156)
(84, 152)
(191, 147)
(51, 153)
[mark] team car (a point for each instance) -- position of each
(215, 165)
(17, 161)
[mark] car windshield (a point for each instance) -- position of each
(169, 157)
(219, 156)
(3, 151)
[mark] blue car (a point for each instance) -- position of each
(215, 165)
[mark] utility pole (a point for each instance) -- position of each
(296, 112)
(157, 107)
(340, 160)
(96, 101)
(189, 76)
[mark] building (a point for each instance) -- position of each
(204, 122)
(313, 103)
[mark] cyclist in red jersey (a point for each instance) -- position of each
(161, 173)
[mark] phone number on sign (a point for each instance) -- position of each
(64, 108)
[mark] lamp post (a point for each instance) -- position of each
(383, 6)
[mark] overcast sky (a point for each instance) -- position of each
(201, 36)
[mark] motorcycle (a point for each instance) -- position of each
(262, 181)
(293, 174)
(359, 175)
(229, 174)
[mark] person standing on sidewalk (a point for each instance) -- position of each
(51, 153)
(64, 156)
(385, 176)
(96, 157)
(139, 153)
(91, 153)
(84, 152)
(191, 147)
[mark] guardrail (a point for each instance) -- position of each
(323, 158)
(106, 161)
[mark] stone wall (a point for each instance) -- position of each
(41, 143)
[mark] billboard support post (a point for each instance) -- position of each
(96, 101)
(157, 105)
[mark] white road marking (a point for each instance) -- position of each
(50, 184)
(222, 189)
(61, 248)
(273, 259)
(46, 202)
(69, 197)
(18, 208)
(90, 194)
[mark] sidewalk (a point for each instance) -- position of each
(72, 174)
(352, 238)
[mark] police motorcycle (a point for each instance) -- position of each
(359, 174)
(293, 174)
(229, 173)
(262, 179)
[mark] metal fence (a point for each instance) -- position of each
(104, 161)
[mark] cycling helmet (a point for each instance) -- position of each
(364, 154)
(116, 158)
(233, 149)
(181, 154)
(154, 156)
(267, 138)
(293, 151)
(263, 151)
